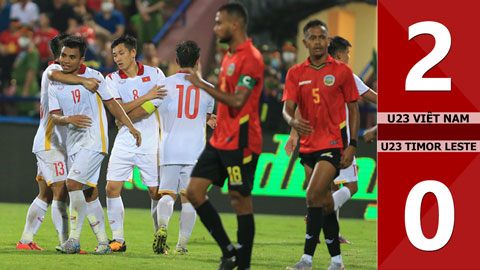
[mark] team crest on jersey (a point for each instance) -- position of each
(231, 69)
(329, 80)
(146, 79)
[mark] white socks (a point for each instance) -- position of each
(96, 218)
(340, 197)
(78, 208)
(165, 210)
(337, 259)
(116, 213)
(35, 216)
(307, 258)
(153, 209)
(60, 219)
(187, 222)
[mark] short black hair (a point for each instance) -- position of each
(188, 53)
(338, 44)
(236, 9)
(129, 42)
(313, 23)
(56, 44)
(76, 42)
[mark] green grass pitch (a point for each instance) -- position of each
(278, 243)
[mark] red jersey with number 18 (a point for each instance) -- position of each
(240, 129)
(321, 93)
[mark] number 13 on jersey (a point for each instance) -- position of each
(427, 200)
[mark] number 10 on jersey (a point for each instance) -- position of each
(186, 102)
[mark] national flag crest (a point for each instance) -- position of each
(146, 79)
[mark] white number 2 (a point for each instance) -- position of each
(443, 41)
(446, 215)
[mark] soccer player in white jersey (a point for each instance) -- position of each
(87, 138)
(183, 117)
(133, 85)
(49, 148)
(339, 49)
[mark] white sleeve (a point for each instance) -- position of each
(112, 87)
(362, 87)
(102, 89)
(160, 81)
(156, 102)
(211, 100)
(211, 104)
(53, 104)
(55, 66)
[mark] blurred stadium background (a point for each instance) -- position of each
(275, 27)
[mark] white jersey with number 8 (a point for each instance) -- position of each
(128, 89)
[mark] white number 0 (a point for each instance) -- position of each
(443, 41)
(446, 215)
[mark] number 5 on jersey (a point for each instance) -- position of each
(187, 101)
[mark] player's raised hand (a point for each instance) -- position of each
(347, 157)
(301, 126)
(291, 144)
(193, 76)
(81, 121)
(212, 121)
(91, 84)
(136, 134)
(157, 91)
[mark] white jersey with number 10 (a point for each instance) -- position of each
(183, 116)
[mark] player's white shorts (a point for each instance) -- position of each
(348, 175)
(122, 163)
(174, 178)
(84, 167)
(51, 166)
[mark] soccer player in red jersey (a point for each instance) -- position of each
(236, 143)
(321, 86)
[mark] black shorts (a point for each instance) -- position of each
(238, 165)
(331, 155)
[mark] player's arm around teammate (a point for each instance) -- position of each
(90, 84)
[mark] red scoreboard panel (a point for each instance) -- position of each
(428, 134)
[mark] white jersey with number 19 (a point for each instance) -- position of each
(77, 100)
(183, 116)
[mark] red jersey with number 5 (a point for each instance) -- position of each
(321, 94)
(240, 129)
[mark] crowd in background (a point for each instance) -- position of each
(26, 26)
